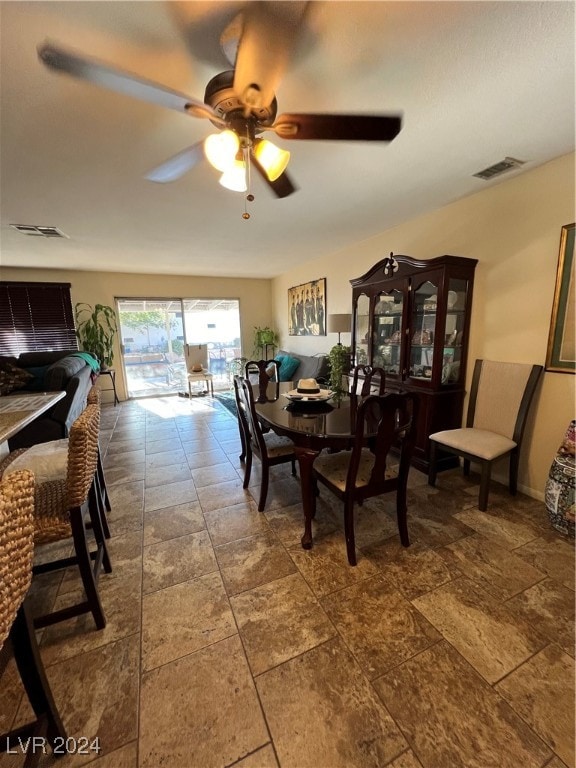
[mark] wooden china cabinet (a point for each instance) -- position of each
(412, 318)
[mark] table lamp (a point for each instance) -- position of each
(339, 324)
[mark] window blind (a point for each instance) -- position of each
(35, 317)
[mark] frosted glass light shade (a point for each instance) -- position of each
(234, 177)
(273, 159)
(221, 148)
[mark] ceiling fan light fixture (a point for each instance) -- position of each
(273, 159)
(221, 148)
(234, 177)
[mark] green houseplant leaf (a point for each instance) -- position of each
(339, 364)
(96, 330)
(263, 337)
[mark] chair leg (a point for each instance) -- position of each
(513, 482)
(349, 531)
(484, 486)
(247, 468)
(85, 566)
(432, 464)
(102, 481)
(293, 467)
(466, 467)
(402, 514)
(264, 487)
(98, 526)
(31, 668)
(242, 456)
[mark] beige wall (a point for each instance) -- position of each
(104, 287)
(513, 229)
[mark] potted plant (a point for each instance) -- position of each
(339, 364)
(264, 337)
(96, 330)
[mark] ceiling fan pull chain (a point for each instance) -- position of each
(247, 165)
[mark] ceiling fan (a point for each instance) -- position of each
(240, 102)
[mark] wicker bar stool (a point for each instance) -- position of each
(63, 504)
(16, 553)
(102, 496)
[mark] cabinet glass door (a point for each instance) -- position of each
(454, 331)
(361, 327)
(387, 331)
(422, 330)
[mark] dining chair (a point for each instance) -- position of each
(267, 371)
(384, 423)
(270, 448)
(500, 398)
(196, 357)
(243, 428)
(362, 376)
(16, 625)
(64, 506)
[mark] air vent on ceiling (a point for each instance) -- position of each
(495, 170)
(37, 231)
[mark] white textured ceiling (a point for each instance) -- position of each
(475, 81)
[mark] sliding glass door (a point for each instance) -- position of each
(154, 332)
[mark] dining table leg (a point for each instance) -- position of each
(306, 458)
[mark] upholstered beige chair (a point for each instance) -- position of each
(196, 357)
(16, 553)
(500, 398)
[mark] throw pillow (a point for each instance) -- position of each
(12, 378)
(37, 382)
(288, 366)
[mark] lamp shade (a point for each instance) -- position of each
(339, 323)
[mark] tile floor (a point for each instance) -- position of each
(227, 644)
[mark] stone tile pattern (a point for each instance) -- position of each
(229, 645)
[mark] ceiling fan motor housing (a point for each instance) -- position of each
(221, 97)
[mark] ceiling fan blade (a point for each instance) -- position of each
(282, 186)
(178, 165)
(201, 25)
(338, 127)
(122, 82)
(269, 32)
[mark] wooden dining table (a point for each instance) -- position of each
(312, 427)
(17, 411)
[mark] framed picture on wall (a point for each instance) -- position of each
(561, 352)
(307, 309)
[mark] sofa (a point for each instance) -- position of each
(67, 370)
(294, 366)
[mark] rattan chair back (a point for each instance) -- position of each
(16, 545)
(94, 397)
(82, 455)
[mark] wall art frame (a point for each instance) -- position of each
(561, 351)
(307, 309)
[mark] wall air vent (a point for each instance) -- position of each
(37, 231)
(508, 164)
